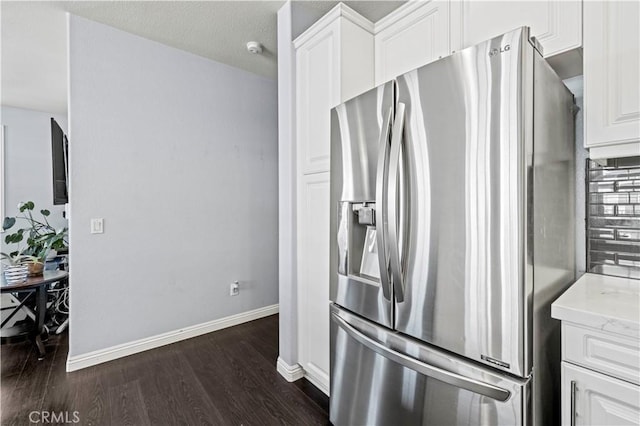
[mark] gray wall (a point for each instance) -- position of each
(178, 154)
(27, 167)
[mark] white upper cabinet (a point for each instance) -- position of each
(611, 78)
(411, 36)
(557, 25)
(334, 62)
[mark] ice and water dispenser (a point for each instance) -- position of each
(357, 246)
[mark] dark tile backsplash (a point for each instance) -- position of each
(613, 217)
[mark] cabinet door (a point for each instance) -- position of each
(313, 277)
(410, 37)
(317, 91)
(598, 399)
(611, 70)
(556, 24)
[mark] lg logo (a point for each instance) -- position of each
(495, 50)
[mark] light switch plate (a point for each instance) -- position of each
(97, 226)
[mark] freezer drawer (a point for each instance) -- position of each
(379, 377)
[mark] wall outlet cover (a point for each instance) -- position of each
(97, 226)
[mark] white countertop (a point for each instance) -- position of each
(603, 302)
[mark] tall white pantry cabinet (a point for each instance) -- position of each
(334, 62)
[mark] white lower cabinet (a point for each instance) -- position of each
(600, 317)
(313, 273)
(592, 398)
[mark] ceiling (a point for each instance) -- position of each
(34, 47)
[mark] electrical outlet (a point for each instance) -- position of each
(234, 288)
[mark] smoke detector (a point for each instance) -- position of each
(254, 47)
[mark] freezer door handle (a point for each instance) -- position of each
(437, 373)
(392, 203)
(381, 201)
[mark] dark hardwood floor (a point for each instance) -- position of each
(224, 378)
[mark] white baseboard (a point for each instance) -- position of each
(319, 378)
(114, 352)
(290, 372)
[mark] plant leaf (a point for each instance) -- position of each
(8, 222)
(14, 238)
(45, 212)
(27, 205)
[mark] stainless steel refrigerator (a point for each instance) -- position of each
(452, 231)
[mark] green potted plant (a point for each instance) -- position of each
(41, 237)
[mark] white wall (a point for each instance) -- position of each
(27, 166)
(288, 330)
(178, 154)
(293, 19)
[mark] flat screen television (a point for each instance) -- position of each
(59, 157)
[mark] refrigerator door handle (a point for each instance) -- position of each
(381, 201)
(437, 373)
(392, 203)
